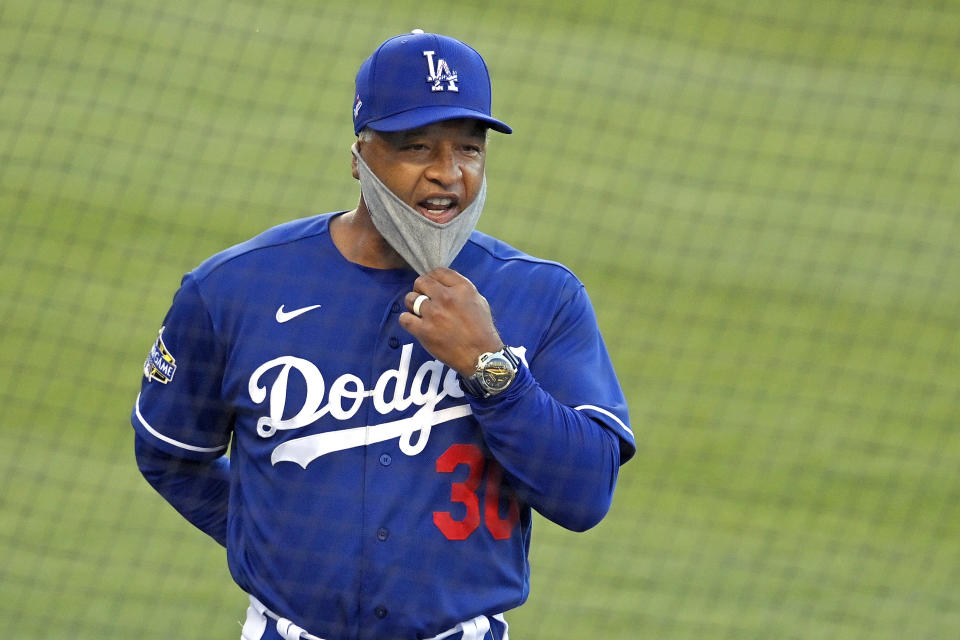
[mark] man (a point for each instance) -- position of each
(388, 432)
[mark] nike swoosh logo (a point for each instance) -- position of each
(284, 316)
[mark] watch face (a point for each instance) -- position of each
(497, 373)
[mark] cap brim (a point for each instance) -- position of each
(422, 116)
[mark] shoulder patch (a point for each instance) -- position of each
(160, 365)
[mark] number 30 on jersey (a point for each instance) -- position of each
(465, 493)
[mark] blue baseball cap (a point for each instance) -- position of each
(418, 78)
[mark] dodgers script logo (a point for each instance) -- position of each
(395, 390)
(440, 73)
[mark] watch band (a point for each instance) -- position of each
(471, 386)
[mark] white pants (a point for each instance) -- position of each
(258, 616)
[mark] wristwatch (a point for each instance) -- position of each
(495, 372)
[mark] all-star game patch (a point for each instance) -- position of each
(160, 365)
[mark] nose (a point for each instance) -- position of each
(444, 168)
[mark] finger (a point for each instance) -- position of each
(427, 284)
(409, 298)
(409, 321)
(412, 324)
(448, 277)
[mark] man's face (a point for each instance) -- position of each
(436, 169)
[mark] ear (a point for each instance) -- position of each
(353, 163)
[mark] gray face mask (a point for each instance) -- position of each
(423, 243)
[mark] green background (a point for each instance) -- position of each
(761, 197)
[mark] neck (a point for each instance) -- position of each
(356, 237)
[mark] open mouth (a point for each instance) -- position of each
(439, 209)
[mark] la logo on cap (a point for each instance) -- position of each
(440, 73)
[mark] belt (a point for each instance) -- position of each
(258, 613)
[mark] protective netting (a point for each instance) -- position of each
(761, 197)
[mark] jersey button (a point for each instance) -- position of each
(385, 459)
(394, 342)
(380, 612)
(383, 533)
(395, 308)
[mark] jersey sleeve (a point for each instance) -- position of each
(573, 365)
(180, 409)
(561, 431)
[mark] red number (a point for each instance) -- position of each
(465, 493)
(462, 492)
(500, 528)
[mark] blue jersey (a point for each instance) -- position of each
(369, 497)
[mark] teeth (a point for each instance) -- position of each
(439, 202)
